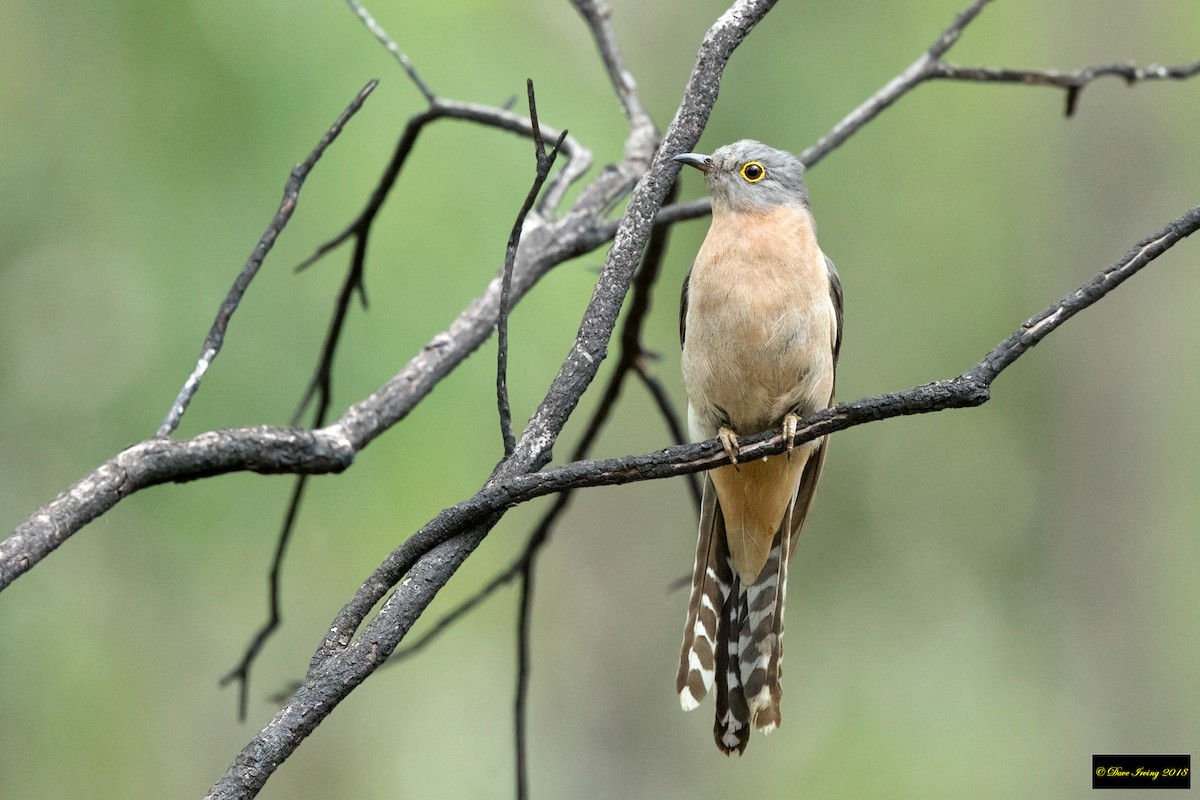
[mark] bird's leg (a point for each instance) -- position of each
(790, 423)
(729, 441)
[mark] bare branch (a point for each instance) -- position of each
(916, 73)
(659, 394)
(241, 673)
(950, 36)
(930, 66)
(523, 618)
(1073, 82)
(264, 449)
(597, 16)
(216, 335)
(1039, 326)
(390, 45)
(545, 162)
(579, 159)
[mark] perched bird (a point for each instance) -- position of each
(760, 324)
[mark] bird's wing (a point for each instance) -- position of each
(805, 492)
(835, 294)
(683, 306)
(816, 461)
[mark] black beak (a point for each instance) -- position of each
(697, 160)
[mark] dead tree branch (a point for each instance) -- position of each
(216, 335)
(1073, 82)
(545, 162)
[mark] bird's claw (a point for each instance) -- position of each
(790, 423)
(729, 441)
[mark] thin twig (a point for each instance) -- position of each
(320, 389)
(390, 45)
(659, 393)
(916, 73)
(1073, 82)
(241, 673)
(320, 385)
(523, 617)
(642, 139)
(360, 226)
(216, 334)
(597, 15)
(545, 162)
(579, 159)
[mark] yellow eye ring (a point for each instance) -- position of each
(753, 171)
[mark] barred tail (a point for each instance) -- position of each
(734, 631)
(733, 636)
(749, 655)
(760, 639)
(711, 581)
(731, 730)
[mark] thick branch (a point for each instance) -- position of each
(264, 449)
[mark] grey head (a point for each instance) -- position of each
(750, 176)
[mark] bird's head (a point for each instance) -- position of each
(750, 176)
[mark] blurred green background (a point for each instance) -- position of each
(983, 598)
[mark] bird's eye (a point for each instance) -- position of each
(753, 171)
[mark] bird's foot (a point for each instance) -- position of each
(729, 441)
(790, 423)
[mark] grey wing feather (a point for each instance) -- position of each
(804, 494)
(816, 462)
(683, 307)
(835, 294)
